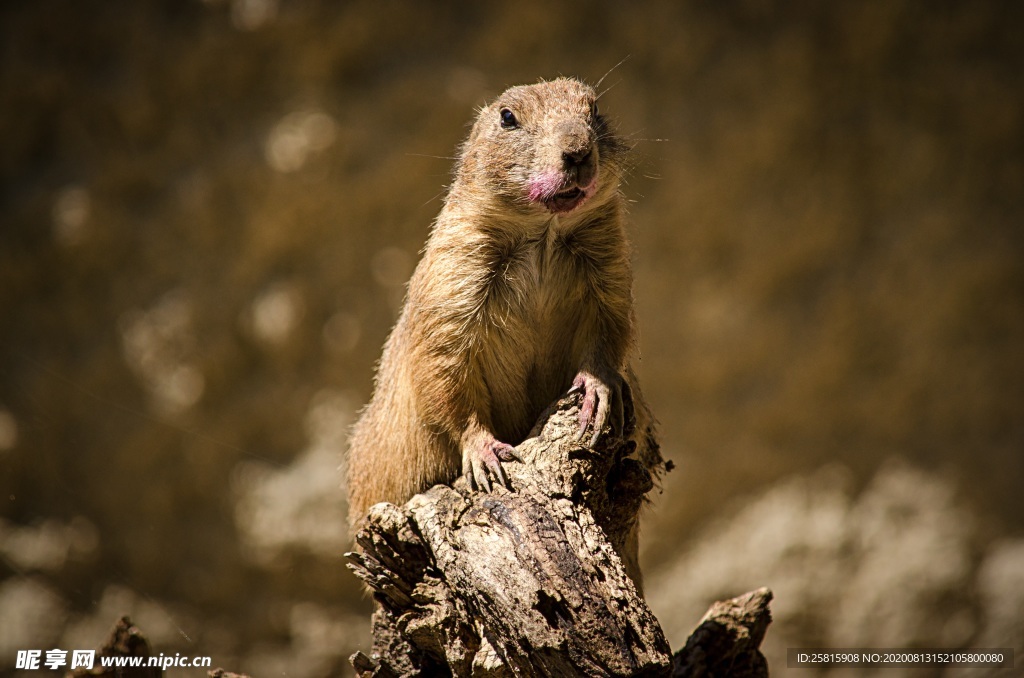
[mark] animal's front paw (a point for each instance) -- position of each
(481, 460)
(601, 398)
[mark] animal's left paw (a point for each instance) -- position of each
(602, 398)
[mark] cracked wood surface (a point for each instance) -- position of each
(528, 582)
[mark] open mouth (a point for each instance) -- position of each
(567, 200)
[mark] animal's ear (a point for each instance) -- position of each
(466, 161)
(475, 130)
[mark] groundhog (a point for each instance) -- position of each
(524, 292)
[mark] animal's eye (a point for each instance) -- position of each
(594, 111)
(508, 119)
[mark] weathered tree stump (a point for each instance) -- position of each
(727, 641)
(529, 582)
(125, 640)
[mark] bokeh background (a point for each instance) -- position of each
(208, 211)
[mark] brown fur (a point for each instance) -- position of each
(510, 302)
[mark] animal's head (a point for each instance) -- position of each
(544, 148)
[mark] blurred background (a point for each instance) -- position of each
(208, 212)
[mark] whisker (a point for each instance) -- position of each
(435, 197)
(609, 72)
(436, 157)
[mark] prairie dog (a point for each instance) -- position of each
(523, 292)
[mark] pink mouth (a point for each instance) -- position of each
(551, 190)
(566, 201)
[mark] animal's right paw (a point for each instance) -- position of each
(481, 461)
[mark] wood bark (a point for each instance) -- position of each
(527, 581)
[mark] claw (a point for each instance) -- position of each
(599, 400)
(480, 479)
(482, 461)
(603, 396)
(619, 410)
(587, 410)
(628, 411)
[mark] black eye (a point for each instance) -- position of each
(593, 110)
(508, 119)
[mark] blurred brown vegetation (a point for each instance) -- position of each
(208, 211)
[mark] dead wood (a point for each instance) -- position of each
(125, 640)
(529, 581)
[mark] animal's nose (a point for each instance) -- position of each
(575, 158)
